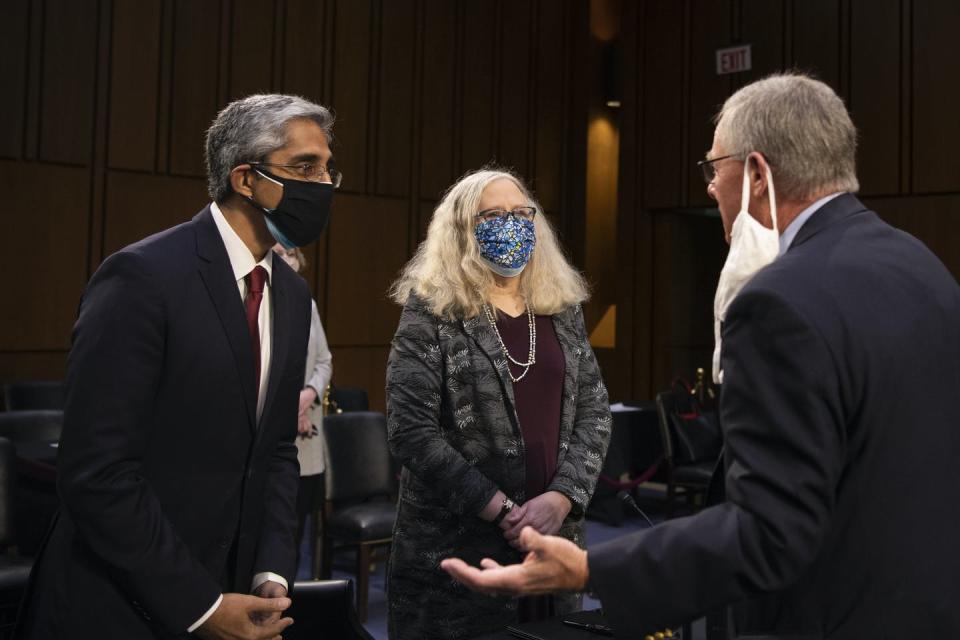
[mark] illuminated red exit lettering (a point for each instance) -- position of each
(733, 59)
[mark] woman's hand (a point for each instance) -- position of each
(307, 397)
(545, 513)
(304, 426)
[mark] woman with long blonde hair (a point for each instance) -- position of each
(496, 408)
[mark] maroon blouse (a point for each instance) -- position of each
(538, 395)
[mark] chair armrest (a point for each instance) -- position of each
(324, 608)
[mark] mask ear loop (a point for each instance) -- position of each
(745, 195)
(773, 199)
(266, 210)
(771, 194)
(266, 177)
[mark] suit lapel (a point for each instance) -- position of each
(217, 275)
(282, 319)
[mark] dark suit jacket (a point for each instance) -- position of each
(171, 491)
(841, 381)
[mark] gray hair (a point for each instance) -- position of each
(250, 129)
(800, 126)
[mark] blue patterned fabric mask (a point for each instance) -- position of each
(506, 244)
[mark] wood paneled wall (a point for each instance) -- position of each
(107, 102)
(895, 63)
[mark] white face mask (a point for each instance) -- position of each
(752, 247)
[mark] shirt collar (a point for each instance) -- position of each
(786, 238)
(241, 260)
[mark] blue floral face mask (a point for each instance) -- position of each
(506, 244)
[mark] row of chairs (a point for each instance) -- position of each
(30, 395)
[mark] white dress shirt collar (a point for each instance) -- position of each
(241, 260)
(786, 238)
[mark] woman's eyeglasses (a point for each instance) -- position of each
(524, 213)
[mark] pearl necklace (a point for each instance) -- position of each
(531, 354)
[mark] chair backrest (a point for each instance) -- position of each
(8, 474)
(358, 458)
(349, 399)
(27, 395)
(21, 427)
(690, 432)
(324, 609)
(665, 407)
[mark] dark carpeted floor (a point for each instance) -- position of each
(376, 622)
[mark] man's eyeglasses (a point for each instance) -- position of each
(524, 213)
(308, 171)
(709, 171)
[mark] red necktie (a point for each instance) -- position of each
(255, 281)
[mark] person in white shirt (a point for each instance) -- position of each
(310, 441)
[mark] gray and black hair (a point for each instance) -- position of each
(250, 129)
(800, 126)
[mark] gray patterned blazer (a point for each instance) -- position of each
(453, 426)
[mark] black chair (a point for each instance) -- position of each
(33, 394)
(14, 570)
(324, 609)
(36, 426)
(33, 433)
(348, 399)
(633, 457)
(687, 480)
(360, 508)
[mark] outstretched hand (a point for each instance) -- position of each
(552, 564)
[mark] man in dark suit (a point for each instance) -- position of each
(177, 468)
(841, 373)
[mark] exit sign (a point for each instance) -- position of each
(733, 59)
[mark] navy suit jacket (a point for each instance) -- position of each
(171, 490)
(841, 369)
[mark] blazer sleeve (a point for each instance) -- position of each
(782, 416)
(113, 373)
(322, 371)
(577, 473)
(414, 387)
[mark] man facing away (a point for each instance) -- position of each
(177, 468)
(839, 352)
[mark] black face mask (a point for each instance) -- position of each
(303, 211)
